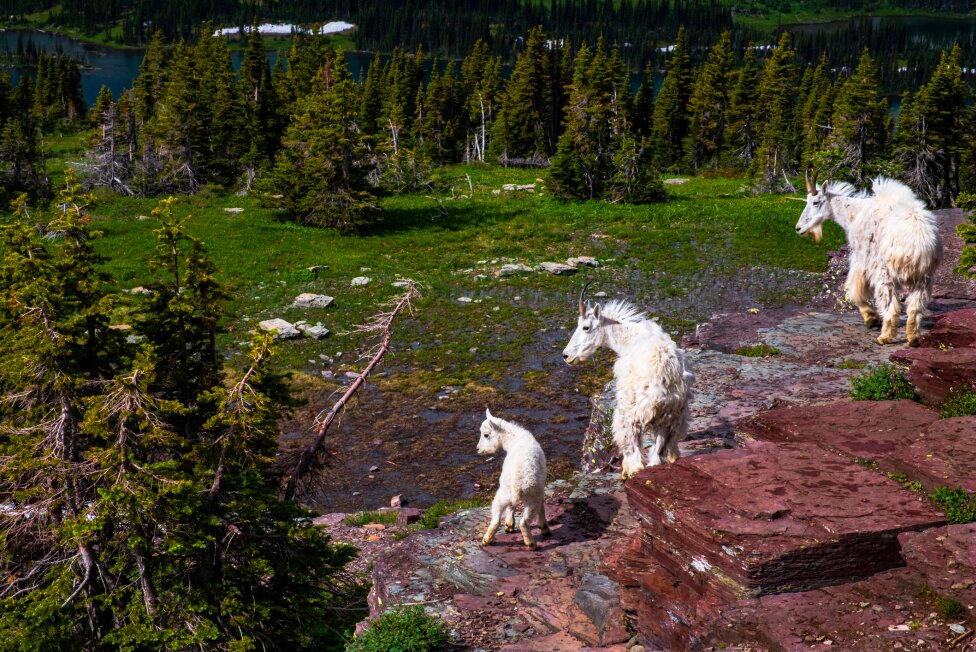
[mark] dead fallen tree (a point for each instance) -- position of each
(380, 324)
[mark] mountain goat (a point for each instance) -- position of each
(895, 248)
(653, 379)
(523, 478)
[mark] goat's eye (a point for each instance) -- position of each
(586, 329)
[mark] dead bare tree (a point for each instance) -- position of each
(379, 324)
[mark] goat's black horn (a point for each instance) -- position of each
(582, 306)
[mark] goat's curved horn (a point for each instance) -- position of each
(582, 306)
(811, 185)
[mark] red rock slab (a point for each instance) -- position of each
(935, 372)
(900, 436)
(955, 329)
(771, 518)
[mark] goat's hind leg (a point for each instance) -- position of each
(543, 525)
(528, 515)
(918, 300)
(887, 301)
(498, 505)
(859, 293)
(509, 518)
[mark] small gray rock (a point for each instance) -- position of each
(559, 269)
(360, 281)
(310, 300)
(284, 330)
(583, 261)
(513, 268)
(317, 332)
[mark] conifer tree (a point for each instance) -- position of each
(522, 127)
(815, 111)
(776, 100)
(643, 115)
(708, 106)
(320, 175)
(743, 111)
(860, 123)
(670, 106)
(260, 105)
(148, 86)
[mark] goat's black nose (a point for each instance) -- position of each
(797, 229)
(565, 356)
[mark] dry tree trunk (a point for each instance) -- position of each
(380, 323)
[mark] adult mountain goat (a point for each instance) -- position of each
(895, 249)
(653, 379)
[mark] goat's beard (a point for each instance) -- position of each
(816, 233)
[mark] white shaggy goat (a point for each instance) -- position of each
(653, 379)
(523, 477)
(895, 249)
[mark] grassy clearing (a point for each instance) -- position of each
(653, 253)
(769, 16)
(385, 517)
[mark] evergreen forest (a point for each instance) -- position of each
(141, 502)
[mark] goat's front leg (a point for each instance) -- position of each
(626, 435)
(498, 505)
(859, 292)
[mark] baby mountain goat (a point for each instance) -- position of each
(523, 477)
(895, 248)
(653, 379)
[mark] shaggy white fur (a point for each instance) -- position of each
(523, 477)
(653, 378)
(895, 249)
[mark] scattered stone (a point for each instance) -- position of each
(374, 526)
(140, 290)
(360, 281)
(317, 332)
(310, 300)
(315, 269)
(352, 374)
(408, 515)
(958, 629)
(400, 284)
(510, 269)
(357, 493)
(559, 269)
(365, 269)
(234, 211)
(583, 261)
(374, 469)
(601, 294)
(328, 374)
(285, 330)
(525, 187)
(398, 501)
(143, 218)
(464, 299)
(675, 182)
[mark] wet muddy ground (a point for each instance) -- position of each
(417, 439)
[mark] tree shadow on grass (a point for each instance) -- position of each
(449, 215)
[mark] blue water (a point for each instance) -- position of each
(113, 67)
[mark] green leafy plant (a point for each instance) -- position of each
(959, 505)
(757, 351)
(409, 629)
(882, 383)
(852, 364)
(959, 403)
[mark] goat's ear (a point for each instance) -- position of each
(823, 188)
(492, 421)
(596, 310)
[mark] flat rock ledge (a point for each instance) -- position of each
(783, 526)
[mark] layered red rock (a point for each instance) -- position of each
(935, 372)
(898, 436)
(765, 519)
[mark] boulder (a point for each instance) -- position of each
(310, 300)
(559, 269)
(318, 331)
(360, 281)
(935, 372)
(955, 329)
(283, 330)
(511, 269)
(583, 261)
(408, 515)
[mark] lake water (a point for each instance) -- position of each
(116, 68)
(928, 31)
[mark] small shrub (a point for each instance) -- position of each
(882, 383)
(757, 351)
(432, 517)
(949, 608)
(960, 403)
(866, 463)
(410, 629)
(958, 504)
(386, 517)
